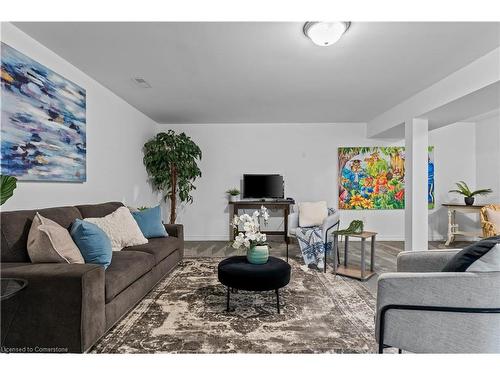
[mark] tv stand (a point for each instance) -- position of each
(282, 204)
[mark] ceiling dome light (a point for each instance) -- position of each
(325, 33)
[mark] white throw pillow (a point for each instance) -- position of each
(494, 218)
(312, 214)
(121, 228)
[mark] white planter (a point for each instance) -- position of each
(233, 198)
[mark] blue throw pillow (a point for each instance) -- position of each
(93, 243)
(150, 222)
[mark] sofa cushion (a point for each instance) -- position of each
(48, 242)
(126, 267)
(160, 247)
(481, 256)
(494, 218)
(312, 214)
(489, 262)
(16, 226)
(121, 228)
(149, 220)
(93, 243)
(98, 210)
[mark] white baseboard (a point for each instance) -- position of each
(225, 237)
(213, 237)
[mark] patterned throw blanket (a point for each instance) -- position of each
(311, 244)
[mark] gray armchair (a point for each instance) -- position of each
(331, 221)
(423, 310)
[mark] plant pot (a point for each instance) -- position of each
(233, 198)
(258, 254)
(469, 201)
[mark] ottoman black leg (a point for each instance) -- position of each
(228, 295)
(278, 300)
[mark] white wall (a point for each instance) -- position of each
(306, 155)
(454, 160)
(488, 158)
(115, 135)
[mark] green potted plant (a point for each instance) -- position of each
(464, 190)
(7, 184)
(233, 194)
(171, 161)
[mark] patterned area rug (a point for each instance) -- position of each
(185, 313)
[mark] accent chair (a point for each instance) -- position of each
(489, 228)
(423, 310)
(331, 221)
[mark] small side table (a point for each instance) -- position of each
(356, 273)
(453, 229)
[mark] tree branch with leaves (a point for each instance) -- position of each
(171, 161)
(7, 185)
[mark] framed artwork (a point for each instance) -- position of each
(372, 178)
(43, 117)
(430, 178)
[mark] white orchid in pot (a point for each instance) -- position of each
(252, 239)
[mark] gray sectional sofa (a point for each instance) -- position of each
(68, 307)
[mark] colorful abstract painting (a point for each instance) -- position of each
(43, 132)
(372, 178)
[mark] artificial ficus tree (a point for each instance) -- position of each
(171, 161)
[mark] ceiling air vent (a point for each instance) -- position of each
(141, 82)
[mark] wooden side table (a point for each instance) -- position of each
(453, 229)
(356, 273)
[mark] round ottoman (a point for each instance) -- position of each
(237, 273)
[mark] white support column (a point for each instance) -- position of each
(416, 211)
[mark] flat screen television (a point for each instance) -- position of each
(263, 186)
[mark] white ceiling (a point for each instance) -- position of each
(473, 107)
(265, 72)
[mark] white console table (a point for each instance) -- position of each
(453, 229)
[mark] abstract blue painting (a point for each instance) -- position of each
(43, 122)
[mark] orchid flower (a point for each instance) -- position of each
(251, 225)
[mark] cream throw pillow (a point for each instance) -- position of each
(494, 218)
(312, 214)
(48, 242)
(121, 228)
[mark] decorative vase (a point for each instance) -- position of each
(469, 201)
(258, 254)
(232, 198)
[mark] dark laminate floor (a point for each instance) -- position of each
(385, 259)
